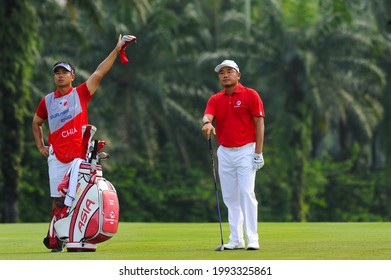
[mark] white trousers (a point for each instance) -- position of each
(237, 179)
(57, 170)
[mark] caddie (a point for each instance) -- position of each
(66, 111)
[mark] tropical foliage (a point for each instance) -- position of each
(322, 69)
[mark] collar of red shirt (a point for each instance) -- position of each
(57, 94)
(238, 89)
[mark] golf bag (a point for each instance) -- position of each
(88, 213)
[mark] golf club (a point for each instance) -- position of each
(88, 131)
(221, 247)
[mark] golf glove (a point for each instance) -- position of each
(258, 161)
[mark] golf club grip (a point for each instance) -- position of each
(213, 165)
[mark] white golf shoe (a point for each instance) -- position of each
(253, 246)
(234, 245)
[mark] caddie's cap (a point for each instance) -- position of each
(227, 63)
(65, 65)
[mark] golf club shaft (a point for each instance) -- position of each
(216, 190)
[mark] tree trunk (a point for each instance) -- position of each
(297, 137)
(387, 145)
(17, 38)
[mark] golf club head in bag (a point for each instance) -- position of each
(88, 131)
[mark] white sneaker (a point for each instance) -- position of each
(234, 245)
(253, 246)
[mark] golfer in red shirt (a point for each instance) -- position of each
(65, 111)
(238, 115)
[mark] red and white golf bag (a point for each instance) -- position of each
(89, 213)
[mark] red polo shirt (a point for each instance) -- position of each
(234, 115)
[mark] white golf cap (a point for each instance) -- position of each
(65, 65)
(227, 63)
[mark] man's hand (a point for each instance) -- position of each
(207, 128)
(125, 40)
(44, 150)
(258, 161)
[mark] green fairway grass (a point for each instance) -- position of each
(197, 241)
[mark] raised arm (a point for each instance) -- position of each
(96, 77)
